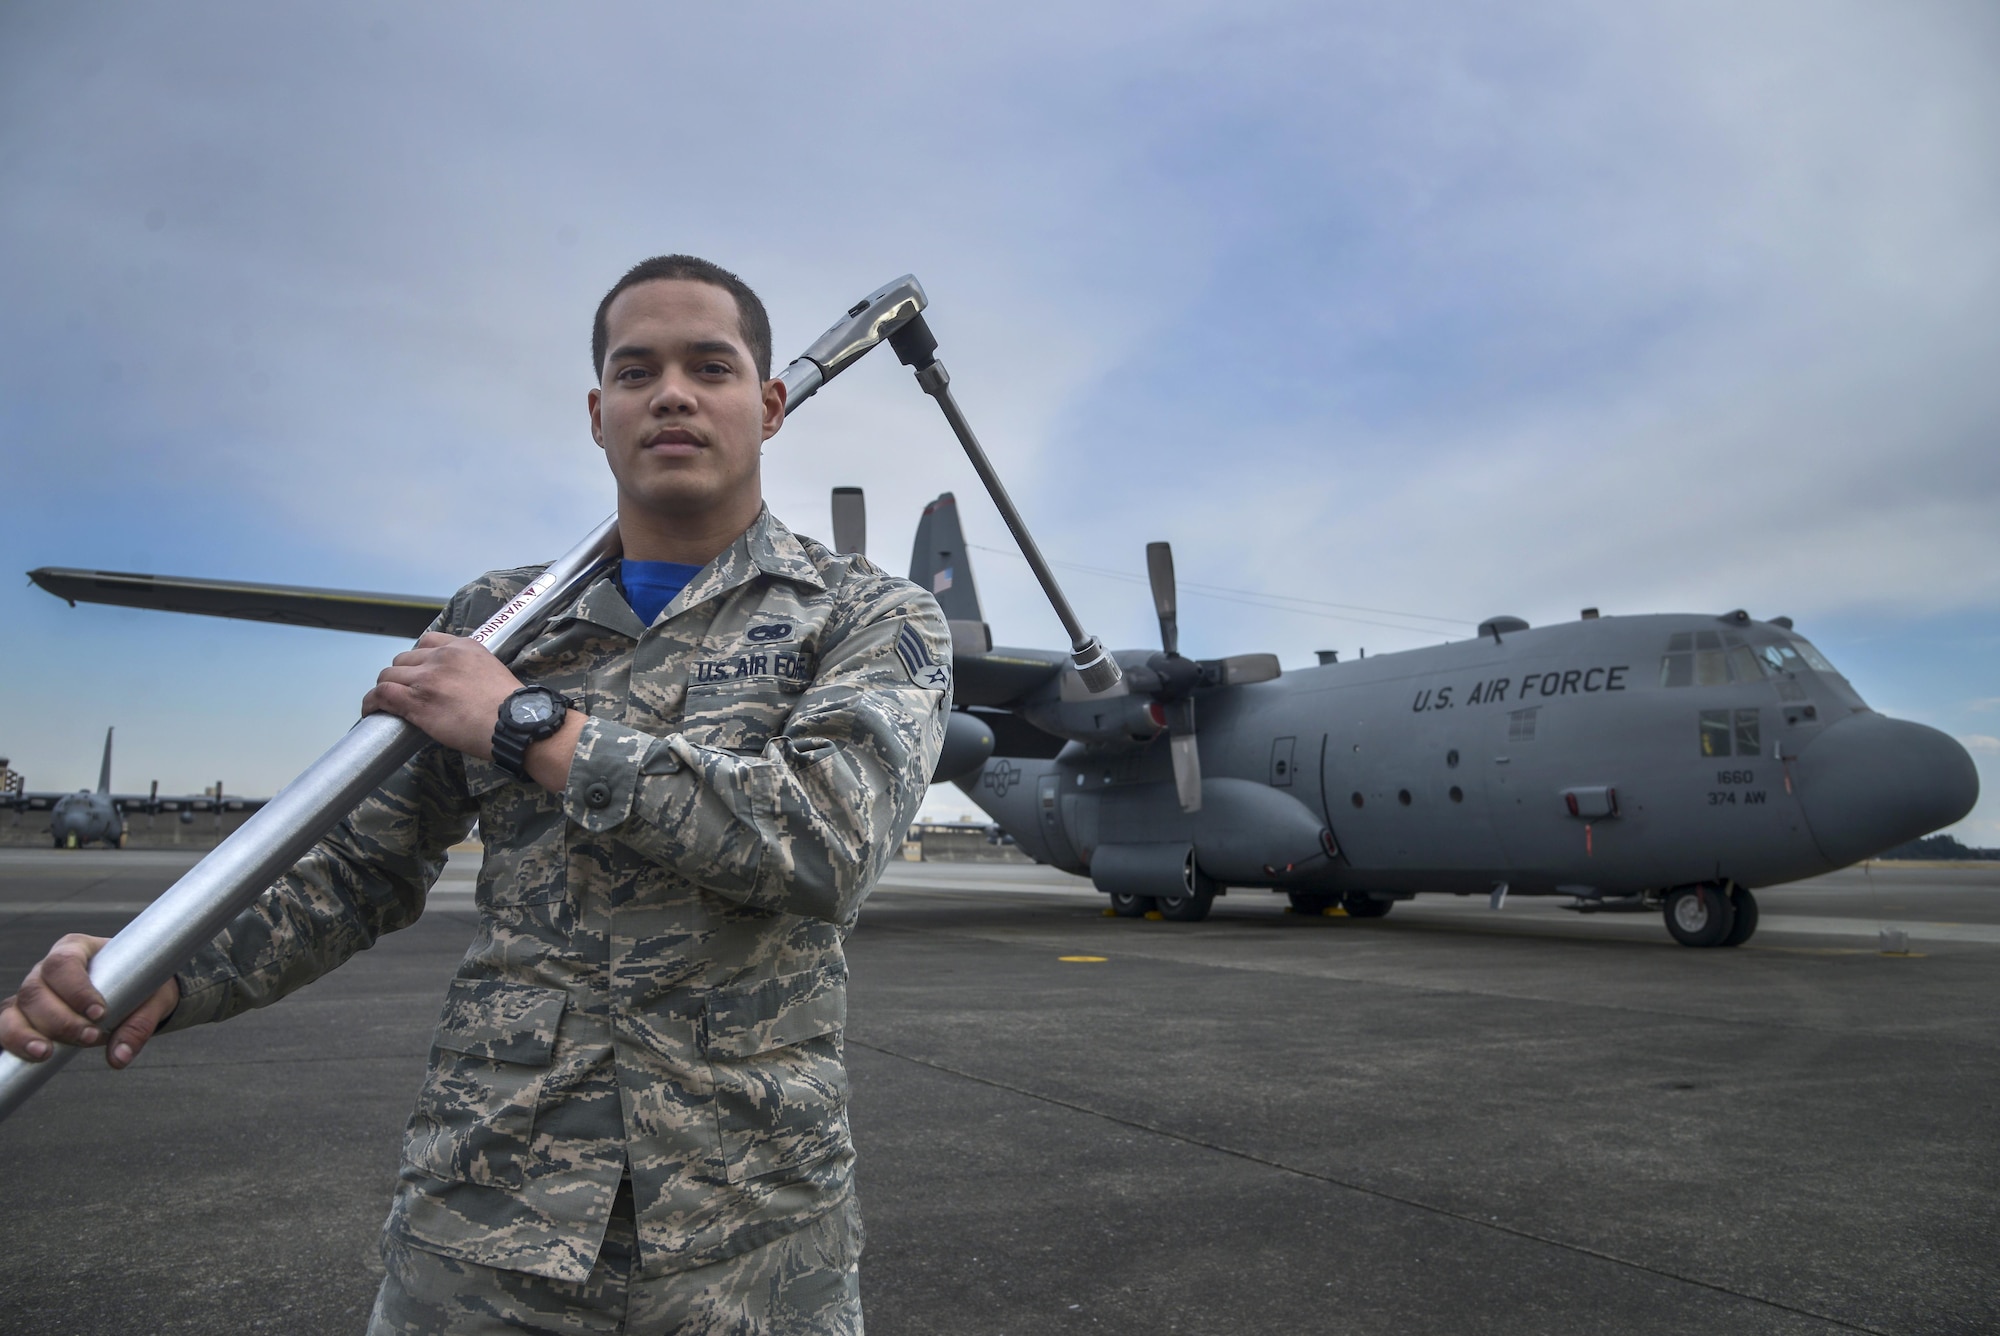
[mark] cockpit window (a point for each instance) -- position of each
(1782, 657)
(1812, 656)
(1708, 659)
(1720, 728)
(1715, 733)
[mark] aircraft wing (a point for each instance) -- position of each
(404, 616)
(185, 802)
(998, 677)
(134, 802)
(32, 802)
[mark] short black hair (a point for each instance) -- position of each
(751, 318)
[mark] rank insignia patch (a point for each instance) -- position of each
(918, 663)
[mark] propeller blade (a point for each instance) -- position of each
(1239, 669)
(1187, 771)
(850, 521)
(1186, 755)
(1160, 572)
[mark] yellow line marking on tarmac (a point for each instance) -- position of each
(1084, 960)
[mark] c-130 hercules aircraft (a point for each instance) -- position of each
(75, 819)
(1630, 763)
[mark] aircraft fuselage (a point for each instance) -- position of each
(1604, 758)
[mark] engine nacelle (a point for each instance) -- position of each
(1143, 869)
(968, 742)
(1099, 719)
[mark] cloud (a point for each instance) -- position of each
(1982, 743)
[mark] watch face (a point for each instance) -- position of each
(527, 711)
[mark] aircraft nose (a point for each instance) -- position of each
(1870, 783)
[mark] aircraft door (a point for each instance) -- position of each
(1327, 783)
(1048, 803)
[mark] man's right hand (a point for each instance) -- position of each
(57, 1004)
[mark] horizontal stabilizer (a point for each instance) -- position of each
(405, 616)
(1002, 676)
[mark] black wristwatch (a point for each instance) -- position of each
(526, 717)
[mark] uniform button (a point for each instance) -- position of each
(598, 795)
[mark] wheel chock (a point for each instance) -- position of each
(1335, 912)
(1156, 916)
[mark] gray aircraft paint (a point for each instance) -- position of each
(1386, 729)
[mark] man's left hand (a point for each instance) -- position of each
(448, 686)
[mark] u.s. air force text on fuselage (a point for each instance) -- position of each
(1493, 691)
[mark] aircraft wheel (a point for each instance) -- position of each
(1312, 902)
(56, 840)
(1188, 907)
(1745, 924)
(1699, 915)
(1132, 906)
(1360, 905)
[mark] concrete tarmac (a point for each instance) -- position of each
(1449, 1120)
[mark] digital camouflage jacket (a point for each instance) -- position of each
(658, 982)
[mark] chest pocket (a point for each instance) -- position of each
(737, 716)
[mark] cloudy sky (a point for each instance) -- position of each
(1396, 316)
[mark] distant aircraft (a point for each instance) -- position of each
(1665, 763)
(75, 819)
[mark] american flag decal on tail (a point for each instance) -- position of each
(924, 670)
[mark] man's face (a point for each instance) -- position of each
(679, 410)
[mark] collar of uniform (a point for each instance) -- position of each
(603, 604)
(767, 547)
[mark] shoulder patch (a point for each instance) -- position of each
(924, 670)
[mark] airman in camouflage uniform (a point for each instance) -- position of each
(635, 1113)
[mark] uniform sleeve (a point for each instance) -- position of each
(368, 877)
(806, 825)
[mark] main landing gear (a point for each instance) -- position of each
(1193, 904)
(1711, 914)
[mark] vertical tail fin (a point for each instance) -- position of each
(940, 564)
(104, 771)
